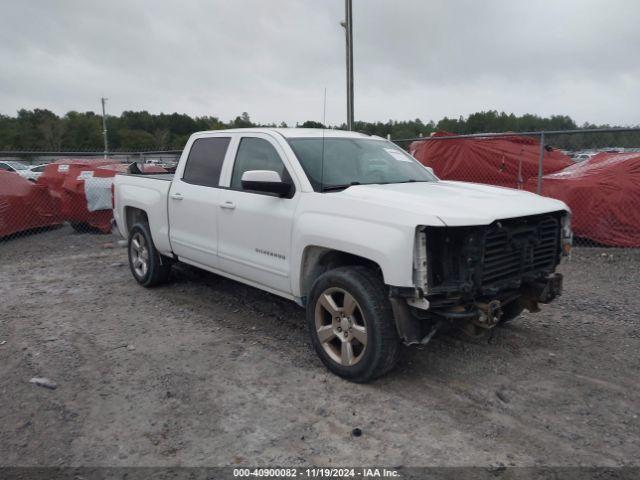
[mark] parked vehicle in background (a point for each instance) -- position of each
(161, 163)
(13, 166)
(33, 173)
(376, 248)
(582, 156)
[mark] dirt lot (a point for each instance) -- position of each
(206, 371)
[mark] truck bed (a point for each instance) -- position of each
(155, 176)
(148, 193)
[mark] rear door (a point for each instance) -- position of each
(193, 201)
(255, 227)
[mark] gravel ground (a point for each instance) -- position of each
(205, 371)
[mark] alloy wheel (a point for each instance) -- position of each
(340, 326)
(139, 254)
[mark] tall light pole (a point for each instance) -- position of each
(104, 127)
(347, 24)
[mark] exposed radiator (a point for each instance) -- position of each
(512, 250)
(487, 259)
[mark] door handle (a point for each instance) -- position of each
(228, 205)
(177, 196)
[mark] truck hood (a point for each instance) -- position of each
(456, 203)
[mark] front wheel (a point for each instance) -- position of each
(351, 323)
(148, 267)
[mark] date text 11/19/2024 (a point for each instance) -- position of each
(316, 472)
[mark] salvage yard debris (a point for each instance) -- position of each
(81, 191)
(78, 191)
(603, 191)
(44, 382)
(504, 161)
(24, 205)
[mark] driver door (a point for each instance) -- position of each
(255, 227)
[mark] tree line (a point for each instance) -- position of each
(41, 129)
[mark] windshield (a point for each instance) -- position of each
(356, 161)
(17, 165)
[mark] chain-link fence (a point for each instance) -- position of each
(595, 172)
(44, 190)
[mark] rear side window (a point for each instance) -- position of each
(205, 161)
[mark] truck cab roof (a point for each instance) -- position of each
(296, 132)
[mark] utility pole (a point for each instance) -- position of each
(104, 127)
(347, 24)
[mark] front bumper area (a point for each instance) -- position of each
(416, 325)
(551, 289)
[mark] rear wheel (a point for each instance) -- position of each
(351, 324)
(148, 267)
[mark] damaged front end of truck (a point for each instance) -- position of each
(474, 277)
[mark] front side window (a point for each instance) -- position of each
(205, 161)
(334, 163)
(255, 154)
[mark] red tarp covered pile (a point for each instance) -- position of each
(603, 194)
(68, 180)
(504, 161)
(23, 205)
(65, 181)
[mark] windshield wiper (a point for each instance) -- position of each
(413, 180)
(331, 188)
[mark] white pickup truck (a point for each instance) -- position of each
(378, 250)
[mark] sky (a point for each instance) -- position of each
(274, 58)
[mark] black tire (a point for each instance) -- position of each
(382, 348)
(511, 311)
(158, 267)
(80, 227)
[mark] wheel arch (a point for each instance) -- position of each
(317, 260)
(134, 215)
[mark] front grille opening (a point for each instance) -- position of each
(517, 248)
(450, 254)
(488, 257)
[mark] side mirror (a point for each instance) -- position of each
(431, 171)
(265, 181)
